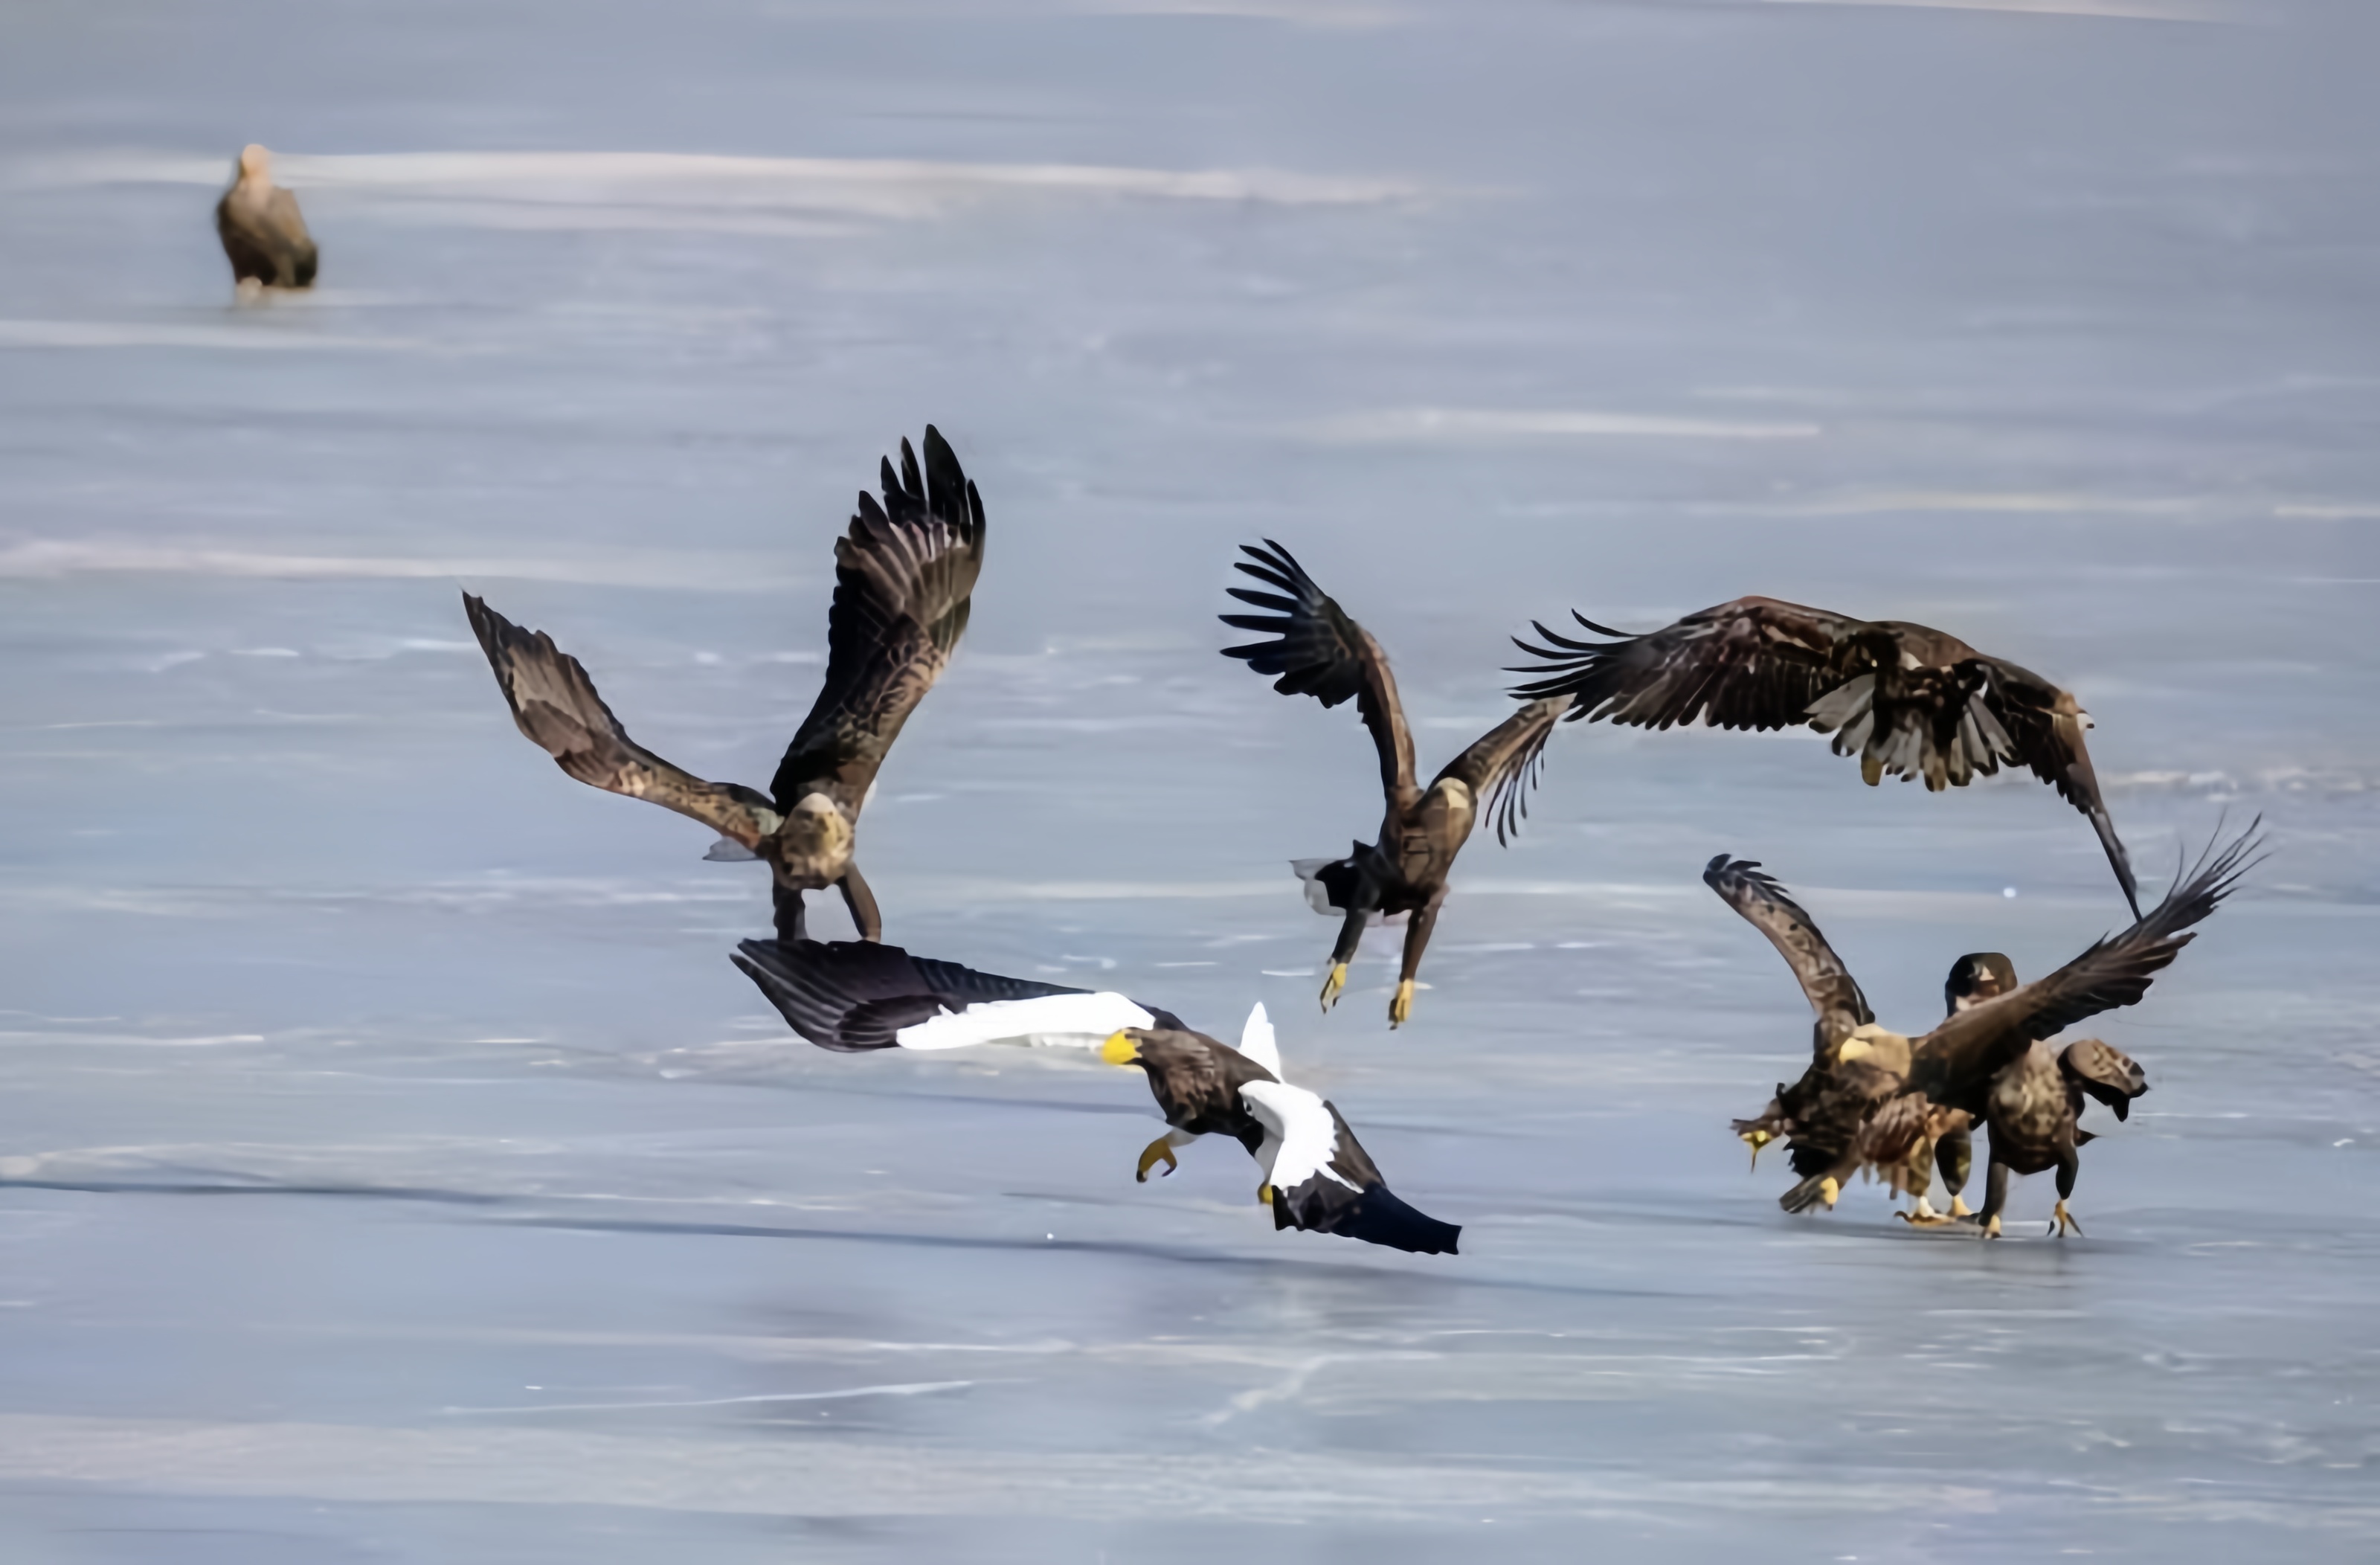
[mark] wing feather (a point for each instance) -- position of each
(1504, 763)
(905, 576)
(555, 705)
(854, 995)
(1971, 1045)
(1754, 662)
(1317, 650)
(1834, 995)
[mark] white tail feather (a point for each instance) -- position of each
(1256, 1041)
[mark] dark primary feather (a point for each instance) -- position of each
(555, 705)
(2116, 971)
(1834, 995)
(1317, 650)
(1755, 663)
(904, 576)
(854, 995)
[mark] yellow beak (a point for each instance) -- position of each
(1118, 1050)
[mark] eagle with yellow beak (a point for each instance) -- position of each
(854, 996)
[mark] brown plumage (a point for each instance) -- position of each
(903, 576)
(261, 229)
(1874, 1098)
(1909, 700)
(1318, 649)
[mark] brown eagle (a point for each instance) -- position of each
(903, 576)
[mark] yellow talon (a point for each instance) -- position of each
(1264, 1195)
(1401, 1003)
(2060, 1220)
(1828, 1189)
(1161, 1149)
(1333, 984)
(1992, 1229)
(1922, 1215)
(1959, 1207)
(1755, 1139)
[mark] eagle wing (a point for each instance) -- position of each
(1971, 1045)
(1754, 662)
(1319, 650)
(1834, 995)
(1504, 763)
(1323, 1181)
(854, 995)
(554, 703)
(905, 575)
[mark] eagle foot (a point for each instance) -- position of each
(1401, 1003)
(1332, 985)
(2060, 1220)
(1161, 1149)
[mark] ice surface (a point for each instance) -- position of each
(395, 1169)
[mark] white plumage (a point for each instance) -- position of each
(1054, 1021)
(1300, 1136)
(1256, 1041)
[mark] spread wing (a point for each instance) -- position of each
(1318, 651)
(1505, 762)
(854, 995)
(1323, 1181)
(1971, 1045)
(904, 576)
(1755, 663)
(555, 704)
(1833, 993)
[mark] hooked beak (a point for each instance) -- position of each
(1119, 1050)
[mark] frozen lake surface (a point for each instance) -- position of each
(391, 1166)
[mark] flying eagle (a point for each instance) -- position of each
(1317, 650)
(903, 575)
(851, 997)
(1908, 700)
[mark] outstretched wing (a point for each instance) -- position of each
(2045, 727)
(1833, 993)
(1754, 664)
(1504, 763)
(1318, 651)
(555, 704)
(902, 579)
(1324, 1183)
(854, 995)
(1973, 1044)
